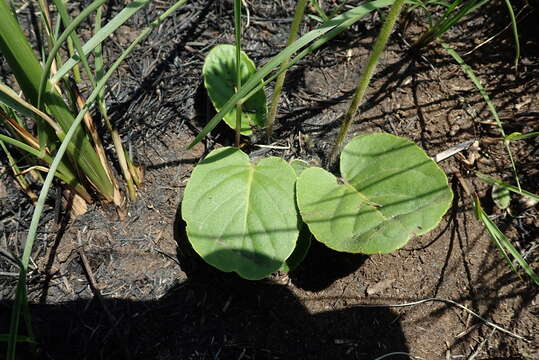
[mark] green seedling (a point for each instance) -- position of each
(390, 191)
(242, 216)
(219, 79)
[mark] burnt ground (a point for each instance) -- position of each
(160, 301)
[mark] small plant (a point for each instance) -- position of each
(390, 191)
(246, 217)
(242, 216)
(219, 79)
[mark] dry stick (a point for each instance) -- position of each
(398, 353)
(379, 46)
(447, 301)
(97, 293)
(298, 16)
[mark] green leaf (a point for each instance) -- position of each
(219, 78)
(299, 165)
(521, 136)
(302, 248)
(391, 191)
(501, 196)
(308, 42)
(240, 216)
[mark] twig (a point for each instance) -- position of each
(447, 301)
(273, 147)
(97, 293)
(398, 353)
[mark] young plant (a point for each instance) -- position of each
(246, 240)
(242, 216)
(220, 73)
(390, 191)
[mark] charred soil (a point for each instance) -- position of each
(158, 300)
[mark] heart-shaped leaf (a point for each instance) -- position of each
(391, 191)
(242, 216)
(219, 72)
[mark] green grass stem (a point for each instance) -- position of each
(365, 78)
(294, 28)
(515, 31)
(237, 41)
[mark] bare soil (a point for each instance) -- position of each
(159, 300)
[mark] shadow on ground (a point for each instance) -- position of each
(214, 315)
(211, 316)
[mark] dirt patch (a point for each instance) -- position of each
(160, 301)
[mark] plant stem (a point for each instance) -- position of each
(515, 32)
(298, 16)
(237, 39)
(379, 46)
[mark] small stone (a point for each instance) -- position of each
(380, 286)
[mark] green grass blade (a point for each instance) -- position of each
(294, 28)
(59, 43)
(32, 231)
(99, 37)
(98, 56)
(237, 41)
(503, 244)
(493, 181)
(515, 31)
(322, 34)
(66, 19)
(520, 136)
(490, 105)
